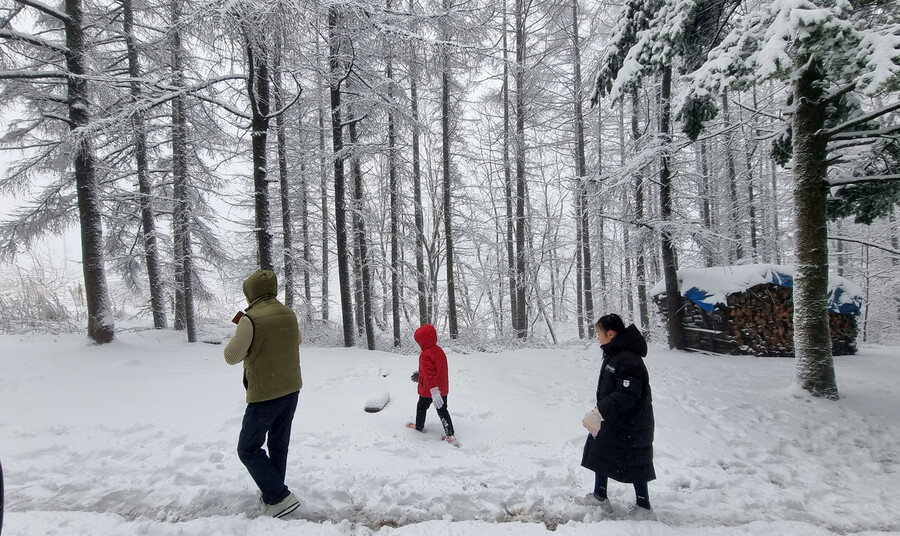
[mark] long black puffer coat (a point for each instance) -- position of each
(623, 448)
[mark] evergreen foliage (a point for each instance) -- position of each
(871, 200)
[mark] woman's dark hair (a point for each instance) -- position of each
(612, 322)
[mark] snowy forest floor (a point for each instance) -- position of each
(138, 437)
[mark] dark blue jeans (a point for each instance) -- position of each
(271, 418)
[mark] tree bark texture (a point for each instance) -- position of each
(145, 183)
(521, 308)
(812, 338)
(419, 220)
(394, 186)
(101, 328)
(181, 210)
(337, 70)
(669, 259)
(736, 250)
(640, 265)
(583, 205)
(258, 93)
(283, 178)
(507, 181)
(447, 186)
(323, 193)
(362, 246)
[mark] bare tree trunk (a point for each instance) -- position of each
(258, 93)
(359, 225)
(775, 222)
(521, 308)
(670, 261)
(591, 200)
(583, 206)
(812, 336)
(145, 183)
(579, 268)
(304, 234)
(394, 185)
(627, 245)
(736, 252)
(626, 232)
(323, 192)
(705, 217)
(448, 206)
(284, 181)
(337, 67)
(507, 183)
(839, 246)
(181, 217)
(895, 260)
(640, 262)
(421, 278)
(750, 149)
(101, 328)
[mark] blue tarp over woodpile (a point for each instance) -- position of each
(708, 287)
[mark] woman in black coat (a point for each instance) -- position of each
(620, 445)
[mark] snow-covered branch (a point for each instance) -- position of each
(865, 134)
(858, 180)
(31, 75)
(833, 133)
(32, 40)
(44, 8)
(890, 250)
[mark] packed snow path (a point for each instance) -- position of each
(138, 437)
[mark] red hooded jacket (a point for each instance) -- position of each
(432, 363)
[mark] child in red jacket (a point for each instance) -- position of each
(434, 384)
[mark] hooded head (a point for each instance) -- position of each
(260, 285)
(426, 336)
(631, 339)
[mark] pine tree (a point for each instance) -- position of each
(828, 50)
(59, 39)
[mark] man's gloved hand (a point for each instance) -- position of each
(436, 396)
(414, 376)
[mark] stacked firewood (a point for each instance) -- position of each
(758, 321)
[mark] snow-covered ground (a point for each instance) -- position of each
(138, 437)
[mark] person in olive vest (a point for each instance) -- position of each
(621, 425)
(267, 341)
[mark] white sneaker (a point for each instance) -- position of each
(285, 507)
(452, 440)
(639, 513)
(592, 500)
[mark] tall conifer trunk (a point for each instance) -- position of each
(812, 336)
(419, 220)
(101, 328)
(337, 69)
(287, 231)
(181, 217)
(145, 183)
(736, 250)
(583, 205)
(669, 259)
(640, 265)
(507, 182)
(447, 185)
(364, 280)
(521, 308)
(258, 93)
(323, 190)
(394, 185)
